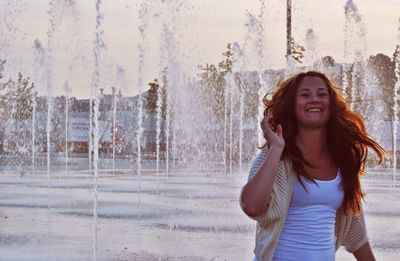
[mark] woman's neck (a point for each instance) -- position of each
(312, 142)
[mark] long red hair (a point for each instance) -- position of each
(347, 138)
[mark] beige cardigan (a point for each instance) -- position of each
(350, 230)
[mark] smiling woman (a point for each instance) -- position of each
(304, 187)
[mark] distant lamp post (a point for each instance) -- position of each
(288, 28)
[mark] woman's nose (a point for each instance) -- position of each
(315, 99)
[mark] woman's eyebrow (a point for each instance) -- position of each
(306, 89)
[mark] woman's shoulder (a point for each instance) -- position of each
(283, 167)
(256, 162)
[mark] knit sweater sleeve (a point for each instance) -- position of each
(255, 166)
(355, 233)
(280, 195)
(258, 161)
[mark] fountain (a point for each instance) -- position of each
(125, 170)
(395, 120)
(311, 47)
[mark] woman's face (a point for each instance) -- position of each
(312, 103)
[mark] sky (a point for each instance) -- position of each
(200, 32)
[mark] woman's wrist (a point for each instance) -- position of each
(276, 148)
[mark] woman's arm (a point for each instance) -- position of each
(364, 253)
(257, 192)
(356, 239)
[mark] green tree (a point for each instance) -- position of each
(227, 64)
(23, 90)
(155, 92)
(213, 82)
(330, 67)
(16, 99)
(382, 67)
(297, 51)
(4, 112)
(328, 61)
(15, 96)
(2, 62)
(151, 104)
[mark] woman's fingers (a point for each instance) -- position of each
(279, 130)
(273, 138)
(265, 125)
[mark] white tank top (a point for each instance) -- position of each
(309, 229)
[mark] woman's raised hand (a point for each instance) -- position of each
(274, 139)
